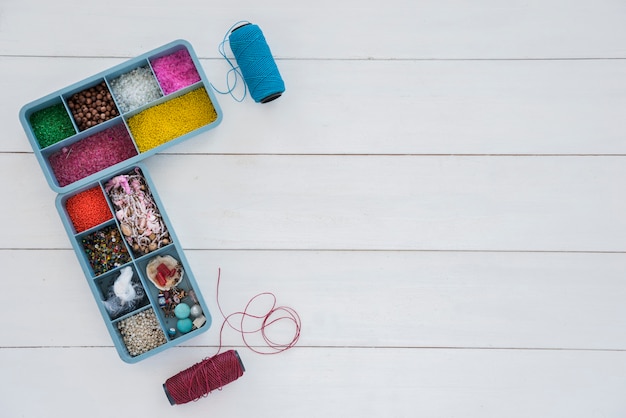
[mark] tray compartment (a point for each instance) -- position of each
(122, 292)
(134, 86)
(104, 249)
(168, 299)
(90, 152)
(175, 68)
(175, 117)
(139, 334)
(53, 123)
(87, 209)
(137, 212)
(91, 104)
(49, 122)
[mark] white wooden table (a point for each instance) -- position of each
(440, 194)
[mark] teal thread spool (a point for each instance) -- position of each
(256, 63)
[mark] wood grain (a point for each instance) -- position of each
(438, 193)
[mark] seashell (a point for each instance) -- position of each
(171, 263)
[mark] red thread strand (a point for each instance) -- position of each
(272, 316)
(204, 377)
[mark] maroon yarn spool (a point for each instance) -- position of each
(202, 378)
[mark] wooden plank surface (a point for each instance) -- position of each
(439, 194)
(388, 107)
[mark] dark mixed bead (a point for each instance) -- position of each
(105, 249)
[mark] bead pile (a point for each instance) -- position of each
(92, 106)
(51, 125)
(88, 209)
(188, 316)
(175, 71)
(162, 123)
(137, 212)
(141, 332)
(135, 88)
(92, 154)
(169, 299)
(105, 249)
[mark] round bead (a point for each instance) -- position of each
(195, 311)
(184, 325)
(182, 311)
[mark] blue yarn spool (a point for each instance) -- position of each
(256, 63)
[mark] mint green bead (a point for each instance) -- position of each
(182, 311)
(184, 325)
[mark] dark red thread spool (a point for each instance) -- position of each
(202, 378)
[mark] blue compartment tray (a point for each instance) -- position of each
(89, 139)
(122, 245)
(144, 106)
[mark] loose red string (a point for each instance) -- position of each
(274, 315)
(215, 372)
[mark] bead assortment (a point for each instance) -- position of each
(141, 332)
(128, 283)
(105, 249)
(165, 87)
(89, 154)
(175, 304)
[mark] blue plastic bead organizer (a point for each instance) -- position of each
(99, 282)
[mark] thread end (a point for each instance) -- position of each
(169, 396)
(271, 97)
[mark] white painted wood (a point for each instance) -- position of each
(330, 382)
(370, 299)
(439, 194)
(361, 202)
(403, 29)
(389, 107)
